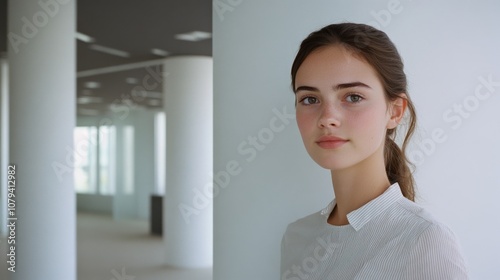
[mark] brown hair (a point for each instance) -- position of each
(377, 49)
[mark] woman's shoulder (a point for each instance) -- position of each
(424, 227)
(413, 221)
(432, 228)
(306, 225)
(416, 213)
(436, 253)
(313, 219)
(432, 247)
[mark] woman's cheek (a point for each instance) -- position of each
(358, 119)
(369, 123)
(361, 122)
(304, 120)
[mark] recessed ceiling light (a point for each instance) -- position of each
(84, 37)
(110, 51)
(194, 36)
(92, 84)
(131, 81)
(89, 99)
(159, 52)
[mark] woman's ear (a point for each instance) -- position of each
(397, 110)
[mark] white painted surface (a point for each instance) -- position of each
(42, 74)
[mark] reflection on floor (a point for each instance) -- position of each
(113, 250)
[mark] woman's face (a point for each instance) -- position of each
(341, 108)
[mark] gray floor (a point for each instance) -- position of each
(109, 249)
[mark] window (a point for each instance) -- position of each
(106, 160)
(94, 159)
(85, 151)
(128, 159)
(160, 153)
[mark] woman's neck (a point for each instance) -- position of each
(357, 185)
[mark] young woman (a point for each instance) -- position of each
(351, 95)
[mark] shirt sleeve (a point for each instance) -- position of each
(436, 255)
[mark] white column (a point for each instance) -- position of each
(42, 67)
(4, 143)
(187, 227)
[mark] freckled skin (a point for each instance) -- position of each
(333, 112)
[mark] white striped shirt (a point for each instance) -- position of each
(388, 238)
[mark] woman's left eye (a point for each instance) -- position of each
(354, 98)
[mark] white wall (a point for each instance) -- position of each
(447, 48)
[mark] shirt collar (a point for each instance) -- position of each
(359, 217)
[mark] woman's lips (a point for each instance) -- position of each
(330, 142)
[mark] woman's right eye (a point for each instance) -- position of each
(308, 100)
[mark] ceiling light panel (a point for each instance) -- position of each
(84, 37)
(92, 85)
(110, 51)
(194, 36)
(89, 99)
(159, 52)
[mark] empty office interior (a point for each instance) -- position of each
(103, 105)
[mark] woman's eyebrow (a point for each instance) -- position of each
(306, 88)
(336, 87)
(350, 85)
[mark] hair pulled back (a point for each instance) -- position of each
(375, 47)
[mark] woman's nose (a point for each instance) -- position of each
(330, 116)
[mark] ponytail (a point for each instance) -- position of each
(397, 168)
(397, 165)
